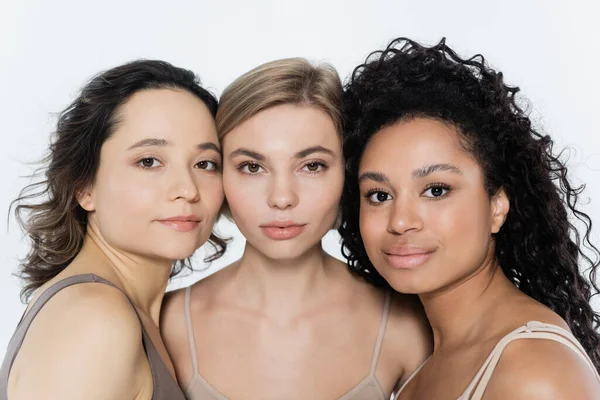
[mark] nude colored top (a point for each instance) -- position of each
(164, 385)
(367, 389)
(531, 330)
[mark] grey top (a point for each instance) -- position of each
(164, 385)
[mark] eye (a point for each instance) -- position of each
(437, 190)
(250, 168)
(149, 162)
(207, 165)
(378, 196)
(315, 166)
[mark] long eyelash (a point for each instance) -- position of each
(321, 163)
(439, 185)
(217, 164)
(139, 161)
(241, 166)
(373, 191)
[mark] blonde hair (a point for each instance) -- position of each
(285, 81)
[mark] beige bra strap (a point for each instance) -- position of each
(384, 319)
(410, 378)
(531, 330)
(190, 330)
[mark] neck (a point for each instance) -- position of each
(144, 280)
(281, 288)
(461, 312)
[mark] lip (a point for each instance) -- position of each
(407, 257)
(282, 230)
(181, 223)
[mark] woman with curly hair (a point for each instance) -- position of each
(453, 195)
(132, 185)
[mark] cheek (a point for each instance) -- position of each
(373, 225)
(321, 194)
(462, 223)
(125, 193)
(244, 196)
(211, 194)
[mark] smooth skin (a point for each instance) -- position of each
(86, 343)
(428, 226)
(288, 321)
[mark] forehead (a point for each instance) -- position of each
(414, 143)
(285, 129)
(165, 113)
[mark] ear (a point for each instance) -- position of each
(500, 205)
(85, 198)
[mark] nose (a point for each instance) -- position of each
(405, 217)
(281, 193)
(184, 186)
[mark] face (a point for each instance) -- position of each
(158, 188)
(283, 177)
(425, 217)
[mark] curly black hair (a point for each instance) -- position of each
(539, 248)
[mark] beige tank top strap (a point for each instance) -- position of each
(531, 330)
(410, 378)
(190, 330)
(380, 335)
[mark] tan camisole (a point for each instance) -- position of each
(367, 389)
(531, 330)
(164, 385)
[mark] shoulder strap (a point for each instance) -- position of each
(383, 324)
(410, 378)
(19, 336)
(531, 330)
(190, 329)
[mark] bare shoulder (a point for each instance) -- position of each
(545, 369)
(95, 333)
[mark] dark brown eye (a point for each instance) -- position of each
(148, 162)
(207, 165)
(381, 197)
(437, 191)
(378, 196)
(253, 168)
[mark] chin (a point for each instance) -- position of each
(288, 251)
(176, 252)
(402, 283)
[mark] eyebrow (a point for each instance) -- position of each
(150, 142)
(417, 173)
(242, 151)
(430, 169)
(374, 176)
(164, 143)
(209, 146)
(313, 149)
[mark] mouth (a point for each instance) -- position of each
(181, 223)
(282, 230)
(407, 257)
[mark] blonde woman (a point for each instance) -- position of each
(287, 320)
